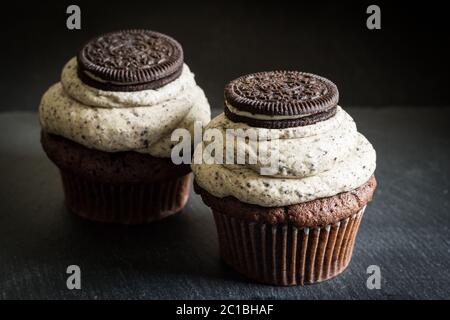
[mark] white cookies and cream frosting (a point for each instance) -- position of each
(315, 161)
(112, 121)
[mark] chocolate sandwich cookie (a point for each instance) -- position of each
(130, 60)
(280, 99)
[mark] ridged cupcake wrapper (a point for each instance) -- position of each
(284, 254)
(134, 203)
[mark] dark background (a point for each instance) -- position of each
(398, 75)
(406, 63)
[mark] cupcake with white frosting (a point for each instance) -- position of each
(107, 125)
(298, 224)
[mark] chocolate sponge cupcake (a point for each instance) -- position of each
(107, 125)
(298, 224)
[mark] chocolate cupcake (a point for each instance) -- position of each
(297, 224)
(107, 125)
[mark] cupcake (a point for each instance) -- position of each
(107, 126)
(297, 224)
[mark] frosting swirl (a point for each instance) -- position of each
(315, 161)
(114, 121)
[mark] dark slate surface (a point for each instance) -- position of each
(405, 231)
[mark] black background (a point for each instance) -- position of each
(403, 64)
(403, 67)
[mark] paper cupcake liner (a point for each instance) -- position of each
(134, 203)
(285, 254)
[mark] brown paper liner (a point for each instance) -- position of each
(134, 203)
(284, 254)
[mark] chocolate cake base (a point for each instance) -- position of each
(290, 245)
(120, 187)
